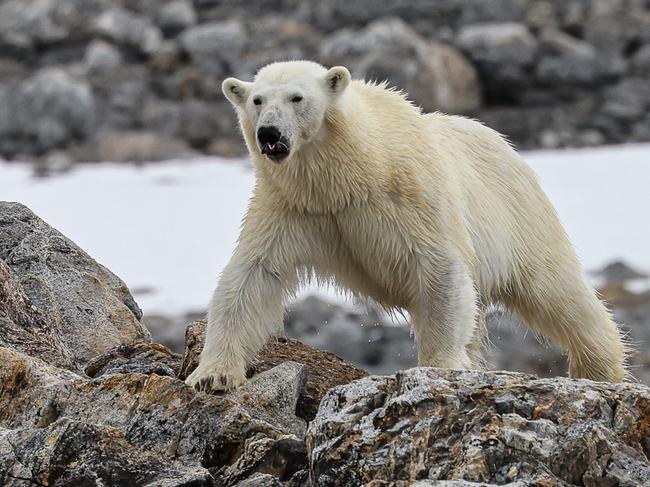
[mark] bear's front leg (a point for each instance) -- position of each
(246, 308)
(446, 313)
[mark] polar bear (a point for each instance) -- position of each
(430, 213)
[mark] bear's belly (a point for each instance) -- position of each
(372, 258)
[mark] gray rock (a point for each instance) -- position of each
(49, 109)
(579, 64)
(126, 27)
(503, 53)
(641, 61)
(615, 26)
(628, 100)
(20, 26)
(498, 44)
(89, 308)
(361, 336)
(143, 358)
(437, 77)
(200, 121)
(214, 42)
(73, 452)
(260, 480)
(499, 428)
(558, 43)
(176, 15)
(619, 272)
(11, 70)
(101, 56)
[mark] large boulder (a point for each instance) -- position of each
(485, 427)
(47, 110)
(436, 76)
(87, 308)
(126, 27)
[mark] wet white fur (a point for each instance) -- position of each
(434, 214)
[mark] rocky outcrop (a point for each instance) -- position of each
(150, 428)
(492, 428)
(66, 289)
(72, 414)
(437, 76)
(148, 73)
(324, 369)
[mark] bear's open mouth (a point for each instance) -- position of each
(276, 152)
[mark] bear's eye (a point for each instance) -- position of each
(257, 100)
(296, 99)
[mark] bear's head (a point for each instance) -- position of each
(283, 109)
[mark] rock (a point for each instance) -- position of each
(324, 369)
(498, 44)
(122, 427)
(627, 100)
(48, 110)
(101, 56)
(619, 272)
(176, 15)
(495, 428)
(200, 121)
(12, 70)
(87, 307)
(580, 69)
(641, 61)
(134, 146)
(21, 27)
(615, 27)
(143, 358)
(25, 327)
(71, 452)
(215, 41)
(437, 77)
(125, 27)
(503, 53)
(359, 335)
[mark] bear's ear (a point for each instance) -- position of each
(235, 90)
(338, 78)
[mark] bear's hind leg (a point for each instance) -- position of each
(562, 306)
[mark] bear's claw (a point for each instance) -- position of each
(206, 381)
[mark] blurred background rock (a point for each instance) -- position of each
(139, 80)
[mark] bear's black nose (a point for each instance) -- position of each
(268, 135)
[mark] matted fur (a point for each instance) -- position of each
(431, 213)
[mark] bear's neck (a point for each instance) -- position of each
(329, 175)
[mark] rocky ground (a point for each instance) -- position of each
(132, 80)
(86, 398)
